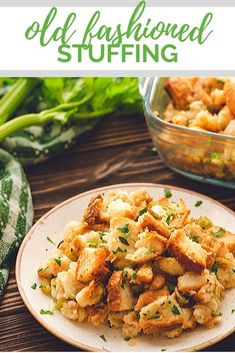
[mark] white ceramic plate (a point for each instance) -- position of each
(36, 247)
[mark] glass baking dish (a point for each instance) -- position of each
(200, 155)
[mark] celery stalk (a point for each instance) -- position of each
(14, 97)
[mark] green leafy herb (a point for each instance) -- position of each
(103, 338)
(233, 270)
(50, 240)
(163, 349)
(195, 238)
(134, 275)
(144, 210)
(119, 250)
(123, 240)
(124, 277)
(34, 286)
(46, 312)
(127, 338)
(101, 235)
(215, 267)
(219, 233)
(198, 203)
(171, 287)
(125, 229)
(232, 311)
(58, 261)
(169, 218)
(175, 310)
(167, 192)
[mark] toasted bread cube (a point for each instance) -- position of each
(57, 262)
(93, 214)
(164, 314)
(92, 264)
(122, 237)
(145, 273)
(131, 327)
(120, 297)
(97, 316)
(149, 245)
(119, 208)
(116, 319)
(66, 286)
(179, 91)
(150, 296)
(89, 295)
(191, 282)
(73, 311)
(202, 287)
(140, 198)
(148, 221)
(228, 239)
(170, 265)
(190, 254)
(158, 282)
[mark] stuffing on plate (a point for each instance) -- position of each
(142, 265)
(202, 103)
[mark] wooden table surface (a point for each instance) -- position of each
(117, 151)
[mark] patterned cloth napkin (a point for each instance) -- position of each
(16, 211)
(29, 146)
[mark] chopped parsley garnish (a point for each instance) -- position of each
(175, 310)
(127, 338)
(167, 193)
(144, 210)
(215, 267)
(103, 338)
(163, 349)
(125, 229)
(232, 311)
(119, 250)
(101, 235)
(58, 261)
(219, 314)
(195, 238)
(233, 270)
(46, 312)
(218, 233)
(171, 287)
(169, 218)
(134, 275)
(124, 276)
(34, 286)
(50, 240)
(198, 203)
(123, 240)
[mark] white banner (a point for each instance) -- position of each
(116, 38)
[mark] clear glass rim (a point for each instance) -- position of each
(172, 127)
